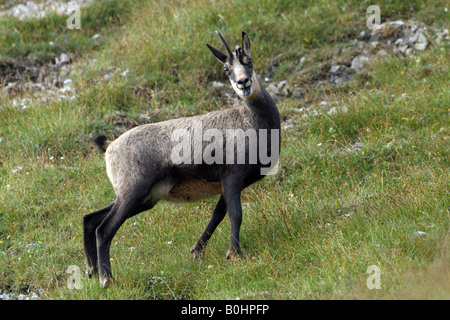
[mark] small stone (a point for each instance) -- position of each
(403, 48)
(332, 111)
(302, 61)
(10, 87)
(272, 90)
(283, 88)
(124, 74)
(409, 52)
(397, 23)
(382, 53)
(281, 84)
(297, 92)
(62, 59)
(359, 62)
(217, 84)
(145, 117)
(335, 69)
(421, 42)
(357, 146)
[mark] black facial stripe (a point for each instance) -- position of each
(240, 55)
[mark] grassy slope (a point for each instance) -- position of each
(31, 37)
(309, 232)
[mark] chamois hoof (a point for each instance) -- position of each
(197, 252)
(234, 253)
(108, 282)
(90, 274)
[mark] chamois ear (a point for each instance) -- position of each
(222, 57)
(246, 43)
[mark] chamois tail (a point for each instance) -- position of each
(102, 143)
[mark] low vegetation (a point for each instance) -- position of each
(364, 168)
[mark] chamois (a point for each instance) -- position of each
(140, 164)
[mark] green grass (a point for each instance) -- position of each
(309, 232)
(49, 36)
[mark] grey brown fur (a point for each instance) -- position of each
(142, 173)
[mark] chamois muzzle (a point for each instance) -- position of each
(245, 85)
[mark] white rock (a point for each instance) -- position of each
(20, 11)
(357, 146)
(38, 10)
(332, 111)
(283, 87)
(335, 68)
(442, 34)
(62, 59)
(403, 48)
(297, 92)
(358, 62)
(302, 61)
(124, 74)
(16, 169)
(397, 23)
(282, 83)
(145, 116)
(217, 84)
(421, 42)
(4, 296)
(272, 89)
(389, 144)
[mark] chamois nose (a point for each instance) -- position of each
(243, 81)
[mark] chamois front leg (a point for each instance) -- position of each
(232, 186)
(218, 214)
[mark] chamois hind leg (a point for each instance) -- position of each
(121, 211)
(217, 216)
(133, 201)
(232, 186)
(90, 223)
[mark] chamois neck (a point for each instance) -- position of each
(263, 107)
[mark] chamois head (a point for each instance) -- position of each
(238, 66)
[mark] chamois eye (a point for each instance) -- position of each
(247, 60)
